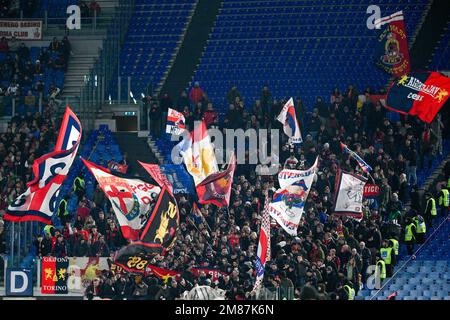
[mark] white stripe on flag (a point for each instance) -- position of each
(397, 16)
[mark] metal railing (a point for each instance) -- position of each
(411, 258)
(9, 105)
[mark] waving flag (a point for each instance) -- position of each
(419, 94)
(263, 253)
(349, 194)
(288, 202)
(391, 50)
(364, 166)
(175, 122)
(155, 172)
(158, 233)
(198, 153)
(39, 201)
(289, 120)
(132, 199)
(216, 188)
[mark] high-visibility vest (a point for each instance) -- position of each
(409, 236)
(47, 229)
(395, 246)
(382, 271)
(433, 207)
(421, 227)
(350, 292)
(444, 200)
(65, 213)
(81, 183)
(386, 255)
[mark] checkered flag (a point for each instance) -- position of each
(263, 254)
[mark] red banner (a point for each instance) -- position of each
(371, 190)
(215, 273)
(162, 273)
(54, 275)
(155, 172)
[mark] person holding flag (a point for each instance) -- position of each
(364, 166)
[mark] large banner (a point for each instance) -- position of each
(71, 274)
(132, 199)
(157, 236)
(288, 203)
(349, 194)
(22, 30)
(39, 201)
(420, 93)
(391, 50)
(54, 275)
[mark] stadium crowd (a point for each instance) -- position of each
(328, 257)
(30, 82)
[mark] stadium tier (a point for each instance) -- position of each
(154, 35)
(295, 48)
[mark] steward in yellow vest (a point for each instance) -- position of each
(444, 201)
(63, 214)
(388, 256)
(421, 228)
(381, 268)
(395, 248)
(78, 187)
(410, 235)
(430, 209)
(350, 292)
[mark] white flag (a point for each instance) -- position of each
(288, 118)
(349, 195)
(289, 201)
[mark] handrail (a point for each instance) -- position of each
(410, 258)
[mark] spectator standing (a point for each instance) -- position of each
(196, 94)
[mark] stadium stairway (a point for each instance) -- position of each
(429, 34)
(424, 278)
(136, 148)
(194, 42)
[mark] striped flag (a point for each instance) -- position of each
(263, 254)
(288, 118)
(175, 122)
(40, 200)
(364, 166)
